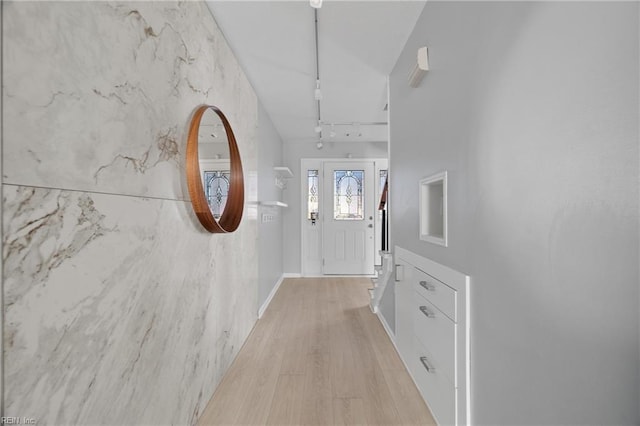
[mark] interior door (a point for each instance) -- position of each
(348, 227)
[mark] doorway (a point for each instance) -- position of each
(340, 220)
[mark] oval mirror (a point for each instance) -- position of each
(214, 171)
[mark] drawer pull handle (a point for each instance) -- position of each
(399, 272)
(427, 286)
(426, 312)
(430, 368)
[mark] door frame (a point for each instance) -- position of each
(310, 268)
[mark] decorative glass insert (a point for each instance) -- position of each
(216, 188)
(383, 179)
(348, 195)
(312, 194)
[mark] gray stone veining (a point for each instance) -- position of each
(118, 308)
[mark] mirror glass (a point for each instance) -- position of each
(213, 157)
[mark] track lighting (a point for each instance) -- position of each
(319, 145)
(316, 4)
(317, 93)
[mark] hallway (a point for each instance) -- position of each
(318, 356)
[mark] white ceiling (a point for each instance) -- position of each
(359, 43)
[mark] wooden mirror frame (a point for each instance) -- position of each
(232, 214)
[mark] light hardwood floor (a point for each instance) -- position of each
(318, 356)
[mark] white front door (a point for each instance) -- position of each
(349, 211)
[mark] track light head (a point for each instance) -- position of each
(316, 4)
(319, 145)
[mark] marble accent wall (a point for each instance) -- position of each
(118, 308)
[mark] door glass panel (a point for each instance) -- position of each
(216, 188)
(348, 195)
(312, 192)
(383, 179)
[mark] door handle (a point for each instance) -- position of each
(399, 272)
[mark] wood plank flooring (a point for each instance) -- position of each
(318, 356)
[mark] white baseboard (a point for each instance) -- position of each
(274, 290)
(329, 276)
(291, 275)
(387, 329)
(393, 340)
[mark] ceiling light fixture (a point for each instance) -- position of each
(316, 4)
(318, 93)
(319, 145)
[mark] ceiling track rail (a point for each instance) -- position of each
(315, 15)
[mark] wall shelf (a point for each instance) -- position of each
(274, 204)
(282, 174)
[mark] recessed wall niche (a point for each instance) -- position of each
(433, 209)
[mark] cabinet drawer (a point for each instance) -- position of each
(435, 387)
(437, 333)
(437, 292)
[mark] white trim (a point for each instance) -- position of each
(406, 367)
(425, 210)
(291, 275)
(467, 342)
(455, 279)
(266, 303)
(390, 333)
(339, 276)
(305, 164)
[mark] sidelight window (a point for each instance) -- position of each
(312, 192)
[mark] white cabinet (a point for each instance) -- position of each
(404, 317)
(432, 333)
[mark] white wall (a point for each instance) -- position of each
(118, 307)
(293, 153)
(533, 110)
(269, 233)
